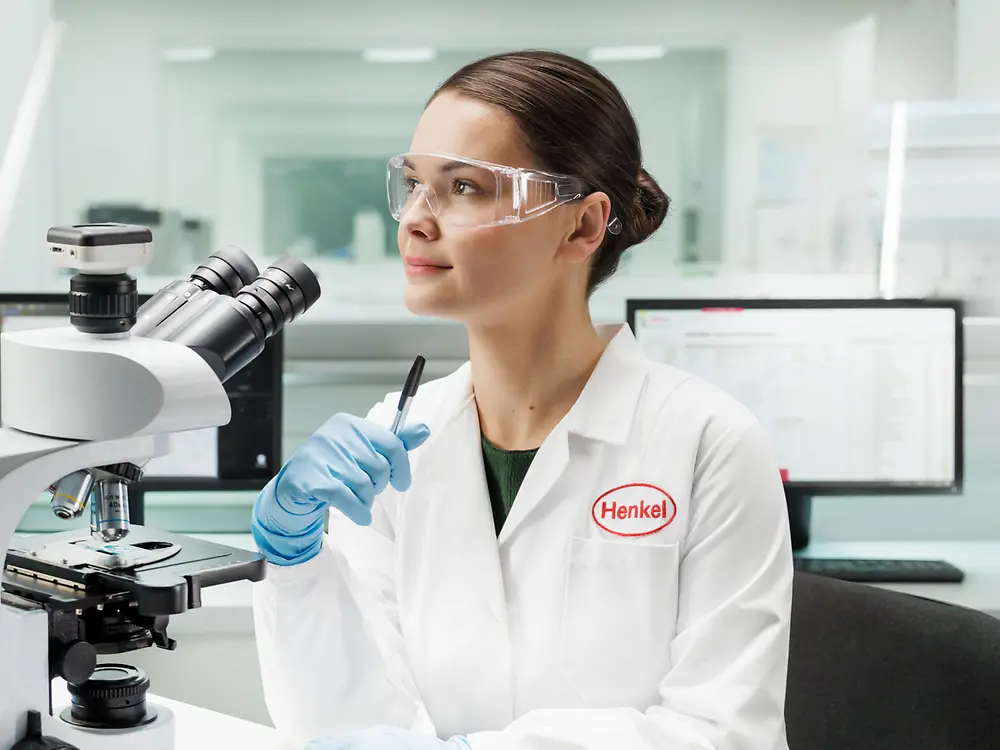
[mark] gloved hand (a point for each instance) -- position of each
(386, 738)
(344, 464)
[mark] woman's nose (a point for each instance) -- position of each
(419, 217)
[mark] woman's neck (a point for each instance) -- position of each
(528, 372)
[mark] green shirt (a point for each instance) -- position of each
(505, 471)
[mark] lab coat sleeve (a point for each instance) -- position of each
(328, 639)
(726, 688)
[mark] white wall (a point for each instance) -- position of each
(108, 107)
(23, 23)
(20, 32)
(977, 61)
(815, 87)
(782, 90)
(915, 57)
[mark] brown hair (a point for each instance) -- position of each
(575, 120)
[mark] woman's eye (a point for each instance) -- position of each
(410, 183)
(465, 187)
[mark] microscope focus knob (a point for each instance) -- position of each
(75, 662)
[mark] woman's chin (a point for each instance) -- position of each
(422, 300)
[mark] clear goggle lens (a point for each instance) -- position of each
(468, 193)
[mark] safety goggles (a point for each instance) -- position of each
(468, 193)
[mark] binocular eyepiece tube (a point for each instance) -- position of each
(229, 332)
(225, 272)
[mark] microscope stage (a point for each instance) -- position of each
(159, 572)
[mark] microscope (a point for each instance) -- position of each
(84, 408)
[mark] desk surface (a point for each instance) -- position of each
(979, 560)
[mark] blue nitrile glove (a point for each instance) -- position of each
(386, 738)
(344, 464)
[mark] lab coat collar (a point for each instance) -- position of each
(606, 407)
(607, 404)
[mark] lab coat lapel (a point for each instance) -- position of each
(546, 468)
(463, 515)
(604, 412)
(459, 550)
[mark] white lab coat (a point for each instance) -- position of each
(560, 634)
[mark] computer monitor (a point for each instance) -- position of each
(858, 396)
(241, 455)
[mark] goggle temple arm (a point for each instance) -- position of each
(571, 191)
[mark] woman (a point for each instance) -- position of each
(582, 549)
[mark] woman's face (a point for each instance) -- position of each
(483, 274)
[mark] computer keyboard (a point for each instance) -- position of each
(881, 571)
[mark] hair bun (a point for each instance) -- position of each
(650, 207)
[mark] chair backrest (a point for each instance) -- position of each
(871, 668)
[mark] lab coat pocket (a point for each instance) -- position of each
(619, 617)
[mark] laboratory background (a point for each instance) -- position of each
(814, 151)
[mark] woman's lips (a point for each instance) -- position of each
(424, 266)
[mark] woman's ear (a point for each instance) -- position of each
(591, 221)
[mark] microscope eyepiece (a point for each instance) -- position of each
(296, 280)
(228, 332)
(284, 291)
(225, 272)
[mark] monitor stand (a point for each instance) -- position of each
(799, 516)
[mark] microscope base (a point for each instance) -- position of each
(158, 735)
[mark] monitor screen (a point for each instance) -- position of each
(852, 393)
(247, 448)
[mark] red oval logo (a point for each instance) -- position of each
(634, 510)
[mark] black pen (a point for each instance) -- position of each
(409, 391)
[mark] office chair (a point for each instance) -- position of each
(871, 669)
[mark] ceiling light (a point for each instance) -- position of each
(189, 54)
(417, 54)
(636, 52)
